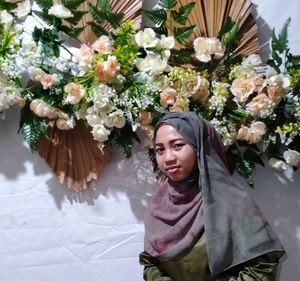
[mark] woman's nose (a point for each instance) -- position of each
(169, 156)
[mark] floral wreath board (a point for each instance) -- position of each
(87, 77)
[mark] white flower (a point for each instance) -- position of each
(206, 47)
(277, 165)
(36, 73)
(100, 133)
(28, 44)
(116, 119)
(23, 9)
(6, 19)
(60, 11)
(166, 42)
(146, 38)
(279, 80)
(292, 157)
(252, 60)
(152, 64)
(93, 119)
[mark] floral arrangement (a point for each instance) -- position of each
(128, 78)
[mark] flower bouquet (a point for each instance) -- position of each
(128, 77)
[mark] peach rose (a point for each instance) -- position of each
(193, 84)
(259, 103)
(242, 89)
(103, 45)
(84, 55)
(75, 93)
(168, 97)
(145, 117)
(259, 82)
(48, 80)
(275, 93)
(181, 104)
(107, 71)
(253, 134)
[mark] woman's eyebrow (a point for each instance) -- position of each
(171, 141)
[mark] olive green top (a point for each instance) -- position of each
(194, 267)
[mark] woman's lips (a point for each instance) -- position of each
(172, 169)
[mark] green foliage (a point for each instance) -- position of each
(158, 17)
(181, 56)
(5, 43)
(246, 169)
(71, 31)
(182, 15)
(279, 47)
(7, 6)
(104, 5)
(32, 128)
(229, 38)
(44, 4)
(97, 29)
(72, 4)
(167, 4)
(49, 39)
(77, 15)
(123, 138)
(182, 34)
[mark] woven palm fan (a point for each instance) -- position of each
(73, 156)
(210, 15)
(132, 9)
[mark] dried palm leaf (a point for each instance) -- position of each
(132, 9)
(74, 156)
(210, 15)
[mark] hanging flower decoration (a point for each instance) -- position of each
(127, 79)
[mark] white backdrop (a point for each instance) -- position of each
(50, 233)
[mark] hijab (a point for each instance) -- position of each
(234, 228)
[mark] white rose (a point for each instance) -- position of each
(257, 130)
(277, 165)
(28, 44)
(152, 64)
(292, 157)
(60, 11)
(116, 119)
(166, 42)
(93, 119)
(146, 38)
(206, 47)
(100, 133)
(35, 73)
(279, 80)
(23, 9)
(252, 60)
(6, 19)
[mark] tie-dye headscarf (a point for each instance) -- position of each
(234, 228)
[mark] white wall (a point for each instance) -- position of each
(50, 233)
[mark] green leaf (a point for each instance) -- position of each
(247, 170)
(71, 31)
(97, 29)
(253, 156)
(182, 34)
(280, 43)
(182, 15)
(7, 6)
(158, 17)
(44, 4)
(77, 16)
(167, 4)
(105, 6)
(32, 128)
(48, 19)
(97, 15)
(226, 27)
(72, 4)
(181, 56)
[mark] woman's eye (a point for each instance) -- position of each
(179, 145)
(158, 150)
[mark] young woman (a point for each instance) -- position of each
(201, 225)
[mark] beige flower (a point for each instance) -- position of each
(168, 97)
(292, 157)
(252, 134)
(75, 93)
(103, 45)
(242, 89)
(84, 55)
(48, 80)
(116, 119)
(42, 109)
(275, 93)
(181, 104)
(60, 11)
(146, 38)
(259, 104)
(277, 165)
(107, 71)
(65, 124)
(259, 82)
(100, 133)
(145, 117)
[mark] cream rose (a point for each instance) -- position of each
(277, 165)
(252, 60)
(116, 119)
(242, 89)
(166, 42)
(23, 9)
(6, 19)
(252, 134)
(100, 133)
(292, 157)
(152, 64)
(168, 97)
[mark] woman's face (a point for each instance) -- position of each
(174, 156)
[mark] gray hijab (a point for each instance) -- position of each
(234, 228)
